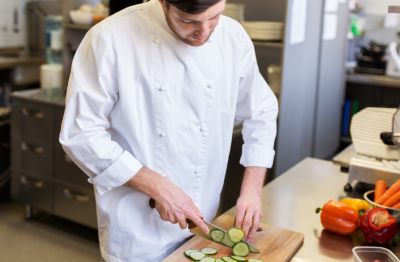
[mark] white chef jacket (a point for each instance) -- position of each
(139, 96)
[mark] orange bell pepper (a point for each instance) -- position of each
(338, 217)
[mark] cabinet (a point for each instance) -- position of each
(42, 175)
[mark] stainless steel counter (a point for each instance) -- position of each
(54, 96)
(290, 202)
(11, 62)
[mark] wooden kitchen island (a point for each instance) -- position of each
(290, 201)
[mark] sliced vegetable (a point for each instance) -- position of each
(228, 259)
(235, 234)
(219, 260)
(378, 226)
(197, 255)
(255, 260)
(187, 252)
(217, 235)
(380, 189)
(207, 259)
(239, 258)
(241, 249)
(209, 251)
(390, 192)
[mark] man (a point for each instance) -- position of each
(152, 100)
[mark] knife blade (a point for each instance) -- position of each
(225, 241)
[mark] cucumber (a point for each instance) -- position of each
(217, 235)
(197, 255)
(228, 259)
(239, 258)
(241, 249)
(235, 234)
(207, 259)
(209, 251)
(187, 252)
(254, 260)
(219, 260)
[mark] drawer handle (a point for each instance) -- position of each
(76, 196)
(32, 113)
(31, 182)
(67, 159)
(31, 148)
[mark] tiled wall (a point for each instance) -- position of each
(9, 38)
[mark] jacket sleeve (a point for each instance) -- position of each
(257, 107)
(92, 93)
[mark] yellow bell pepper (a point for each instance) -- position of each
(358, 204)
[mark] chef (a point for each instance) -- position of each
(152, 100)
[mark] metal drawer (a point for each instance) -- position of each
(31, 189)
(59, 114)
(32, 155)
(32, 120)
(75, 203)
(67, 171)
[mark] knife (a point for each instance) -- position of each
(197, 231)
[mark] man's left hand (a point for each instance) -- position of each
(249, 206)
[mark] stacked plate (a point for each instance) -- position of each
(267, 31)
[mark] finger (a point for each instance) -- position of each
(247, 222)
(199, 222)
(239, 216)
(197, 211)
(172, 219)
(256, 221)
(182, 222)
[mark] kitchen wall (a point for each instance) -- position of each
(378, 7)
(8, 37)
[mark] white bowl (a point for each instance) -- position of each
(79, 17)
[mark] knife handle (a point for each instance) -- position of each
(152, 204)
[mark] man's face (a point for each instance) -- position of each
(192, 29)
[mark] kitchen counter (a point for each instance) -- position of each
(53, 96)
(290, 201)
(11, 62)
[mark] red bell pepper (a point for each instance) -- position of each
(378, 226)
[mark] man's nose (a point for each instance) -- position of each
(203, 30)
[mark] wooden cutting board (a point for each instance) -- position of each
(275, 244)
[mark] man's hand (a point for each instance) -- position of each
(172, 203)
(249, 207)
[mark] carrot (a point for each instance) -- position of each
(390, 192)
(380, 188)
(392, 200)
(397, 205)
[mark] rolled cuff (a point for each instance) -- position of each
(116, 175)
(255, 155)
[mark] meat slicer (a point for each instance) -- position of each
(376, 138)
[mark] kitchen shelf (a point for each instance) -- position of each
(378, 80)
(77, 26)
(269, 44)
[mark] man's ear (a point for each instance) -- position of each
(163, 4)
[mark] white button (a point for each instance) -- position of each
(203, 128)
(210, 86)
(197, 171)
(157, 41)
(163, 134)
(212, 95)
(162, 88)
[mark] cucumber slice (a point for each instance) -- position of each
(207, 259)
(255, 260)
(209, 251)
(239, 258)
(197, 255)
(241, 249)
(187, 252)
(219, 260)
(217, 235)
(228, 259)
(235, 234)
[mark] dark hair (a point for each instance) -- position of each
(192, 6)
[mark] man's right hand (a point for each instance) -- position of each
(172, 203)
